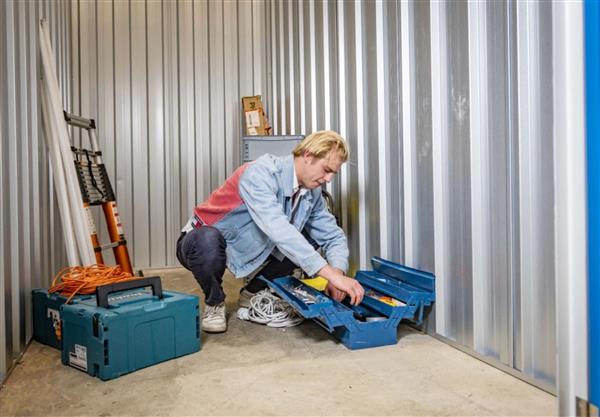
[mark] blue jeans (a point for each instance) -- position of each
(202, 251)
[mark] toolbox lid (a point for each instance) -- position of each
(398, 281)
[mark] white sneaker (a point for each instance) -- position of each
(213, 319)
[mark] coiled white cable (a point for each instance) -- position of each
(267, 308)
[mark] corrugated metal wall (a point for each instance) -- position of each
(31, 246)
(448, 109)
(164, 80)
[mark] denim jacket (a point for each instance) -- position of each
(263, 221)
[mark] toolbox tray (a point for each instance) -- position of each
(126, 328)
(373, 322)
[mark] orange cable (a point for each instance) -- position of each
(84, 279)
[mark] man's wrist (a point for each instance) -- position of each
(330, 273)
(339, 270)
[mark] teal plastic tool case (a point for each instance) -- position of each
(126, 328)
(373, 322)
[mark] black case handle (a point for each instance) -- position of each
(103, 291)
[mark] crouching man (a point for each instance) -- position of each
(261, 222)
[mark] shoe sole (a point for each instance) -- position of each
(214, 331)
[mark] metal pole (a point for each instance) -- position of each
(59, 181)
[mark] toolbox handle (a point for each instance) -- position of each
(103, 291)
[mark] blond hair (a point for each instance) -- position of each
(321, 143)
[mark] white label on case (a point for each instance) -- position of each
(78, 359)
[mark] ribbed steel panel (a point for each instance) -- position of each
(490, 179)
(447, 107)
(164, 82)
(31, 244)
(536, 341)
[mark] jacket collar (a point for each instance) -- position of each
(287, 175)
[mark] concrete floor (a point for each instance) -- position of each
(257, 370)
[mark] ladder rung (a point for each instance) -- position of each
(110, 245)
(79, 121)
(78, 151)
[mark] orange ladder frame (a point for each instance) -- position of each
(88, 182)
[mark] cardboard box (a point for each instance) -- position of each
(254, 117)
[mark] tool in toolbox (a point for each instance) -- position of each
(126, 327)
(393, 292)
(96, 190)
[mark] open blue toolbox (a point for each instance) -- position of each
(127, 327)
(392, 292)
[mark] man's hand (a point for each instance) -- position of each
(337, 295)
(343, 283)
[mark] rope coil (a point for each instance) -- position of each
(267, 308)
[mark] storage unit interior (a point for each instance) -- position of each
(449, 109)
